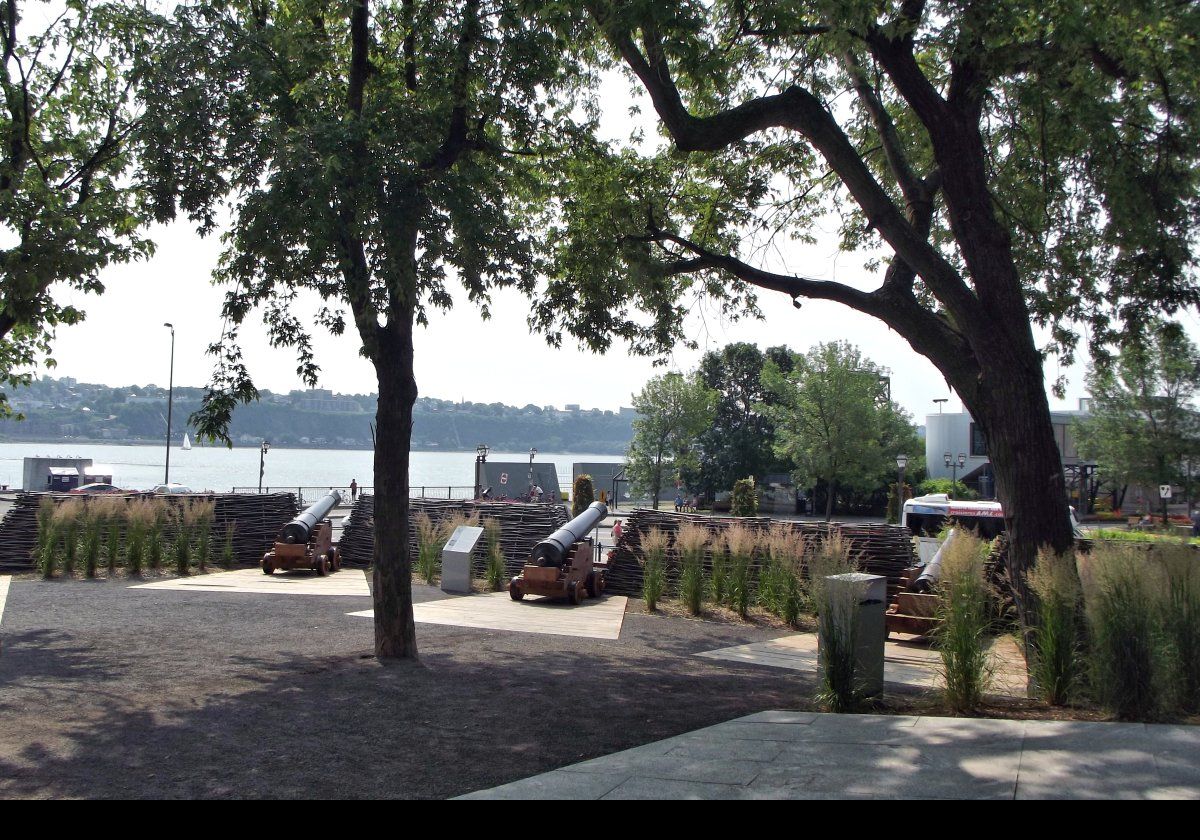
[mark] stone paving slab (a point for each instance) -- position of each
(296, 582)
(799, 755)
(593, 619)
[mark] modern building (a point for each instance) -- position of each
(956, 435)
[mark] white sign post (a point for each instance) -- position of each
(1164, 491)
(456, 558)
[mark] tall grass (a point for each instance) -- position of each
(690, 541)
(654, 567)
(198, 513)
(70, 514)
(739, 543)
(429, 547)
(718, 576)
(1119, 593)
(495, 571)
(780, 585)
(961, 636)
(181, 550)
(154, 539)
(834, 555)
(45, 525)
(1056, 647)
(1180, 611)
(139, 517)
(93, 538)
(228, 556)
(839, 686)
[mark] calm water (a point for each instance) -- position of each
(217, 468)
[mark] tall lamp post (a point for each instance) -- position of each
(954, 464)
(481, 453)
(263, 449)
(901, 463)
(170, 405)
(532, 455)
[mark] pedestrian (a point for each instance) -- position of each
(695, 504)
(1196, 523)
(678, 502)
(353, 489)
(616, 531)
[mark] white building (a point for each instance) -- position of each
(956, 435)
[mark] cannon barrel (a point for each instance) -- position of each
(553, 550)
(300, 528)
(928, 579)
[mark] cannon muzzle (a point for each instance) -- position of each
(300, 528)
(554, 550)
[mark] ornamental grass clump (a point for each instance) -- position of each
(495, 571)
(718, 576)
(45, 525)
(834, 555)
(93, 539)
(70, 516)
(964, 612)
(781, 586)
(154, 537)
(839, 685)
(228, 556)
(199, 513)
(1124, 623)
(1056, 650)
(429, 547)
(139, 518)
(654, 567)
(181, 549)
(691, 540)
(1181, 624)
(739, 545)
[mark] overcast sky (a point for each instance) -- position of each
(460, 356)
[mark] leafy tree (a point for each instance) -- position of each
(582, 494)
(68, 206)
(371, 151)
(1021, 163)
(1143, 422)
(673, 410)
(832, 420)
(738, 442)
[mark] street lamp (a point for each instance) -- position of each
(532, 455)
(901, 463)
(263, 449)
(170, 405)
(481, 453)
(954, 464)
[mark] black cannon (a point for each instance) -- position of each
(307, 541)
(563, 565)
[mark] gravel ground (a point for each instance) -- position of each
(107, 691)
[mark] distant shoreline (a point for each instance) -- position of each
(321, 446)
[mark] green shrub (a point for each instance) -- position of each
(583, 493)
(654, 571)
(961, 636)
(1124, 622)
(495, 571)
(690, 540)
(1056, 650)
(955, 489)
(744, 500)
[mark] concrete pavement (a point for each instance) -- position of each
(797, 755)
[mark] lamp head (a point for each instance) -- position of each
(946, 458)
(901, 461)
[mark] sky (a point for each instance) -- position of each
(459, 356)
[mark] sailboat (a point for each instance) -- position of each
(187, 442)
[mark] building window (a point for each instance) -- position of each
(978, 447)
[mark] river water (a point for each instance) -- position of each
(220, 469)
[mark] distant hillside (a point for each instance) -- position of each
(64, 409)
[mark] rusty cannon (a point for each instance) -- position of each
(564, 565)
(307, 541)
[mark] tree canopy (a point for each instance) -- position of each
(68, 204)
(673, 410)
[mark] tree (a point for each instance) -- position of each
(371, 151)
(1143, 423)
(68, 206)
(833, 422)
(673, 410)
(1021, 163)
(738, 442)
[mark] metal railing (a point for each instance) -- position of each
(308, 495)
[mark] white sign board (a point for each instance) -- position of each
(1164, 491)
(456, 558)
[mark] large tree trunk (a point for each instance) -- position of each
(1010, 408)
(395, 632)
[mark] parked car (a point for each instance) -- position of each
(171, 488)
(97, 487)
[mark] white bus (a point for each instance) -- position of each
(926, 516)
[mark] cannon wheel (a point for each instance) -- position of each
(575, 592)
(335, 559)
(514, 590)
(594, 584)
(321, 567)
(268, 567)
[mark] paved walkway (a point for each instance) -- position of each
(593, 619)
(795, 755)
(296, 582)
